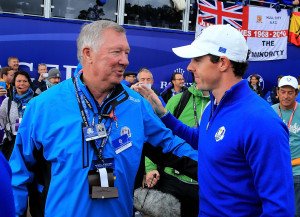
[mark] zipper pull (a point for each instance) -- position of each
(114, 117)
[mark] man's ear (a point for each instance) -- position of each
(224, 63)
(87, 54)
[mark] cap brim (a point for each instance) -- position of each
(188, 51)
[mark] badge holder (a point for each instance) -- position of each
(101, 182)
(94, 132)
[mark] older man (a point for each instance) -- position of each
(83, 150)
(13, 62)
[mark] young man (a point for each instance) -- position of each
(288, 110)
(82, 152)
(244, 160)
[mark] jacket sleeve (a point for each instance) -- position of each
(185, 165)
(189, 134)
(157, 134)
(21, 161)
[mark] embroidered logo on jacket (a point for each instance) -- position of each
(126, 130)
(220, 134)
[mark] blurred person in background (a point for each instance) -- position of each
(13, 62)
(40, 83)
(177, 86)
(129, 78)
(7, 76)
(12, 110)
(254, 84)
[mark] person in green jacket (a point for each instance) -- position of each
(188, 107)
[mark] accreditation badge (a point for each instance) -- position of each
(122, 143)
(101, 180)
(101, 130)
(91, 133)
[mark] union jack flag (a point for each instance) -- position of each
(212, 12)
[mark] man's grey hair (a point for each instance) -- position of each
(42, 64)
(144, 70)
(91, 35)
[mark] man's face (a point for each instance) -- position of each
(14, 64)
(130, 78)
(42, 69)
(206, 73)
(109, 62)
(9, 77)
(54, 80)
(178, 81)
(145, 78)
(287, 97)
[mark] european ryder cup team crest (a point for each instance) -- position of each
(90, 131)
(125, 130)
(220, 134)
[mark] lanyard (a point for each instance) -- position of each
(195, 111)
(84, 104)
(292, 115)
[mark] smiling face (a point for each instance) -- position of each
(13, 63)
(108, 62)
(178, 81)
(22, 84)
(287, 97)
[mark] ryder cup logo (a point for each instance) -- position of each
(180, 70)
(220, 134)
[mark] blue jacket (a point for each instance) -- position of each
(7, 208)
(244, 158)
(52, 125)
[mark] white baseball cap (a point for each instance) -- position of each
(288, 81)
(219, 40)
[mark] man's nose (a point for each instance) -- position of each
(124, 59)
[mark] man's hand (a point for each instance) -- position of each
(149, 94)
(2, 91)
(152, 178)
(41, 78)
